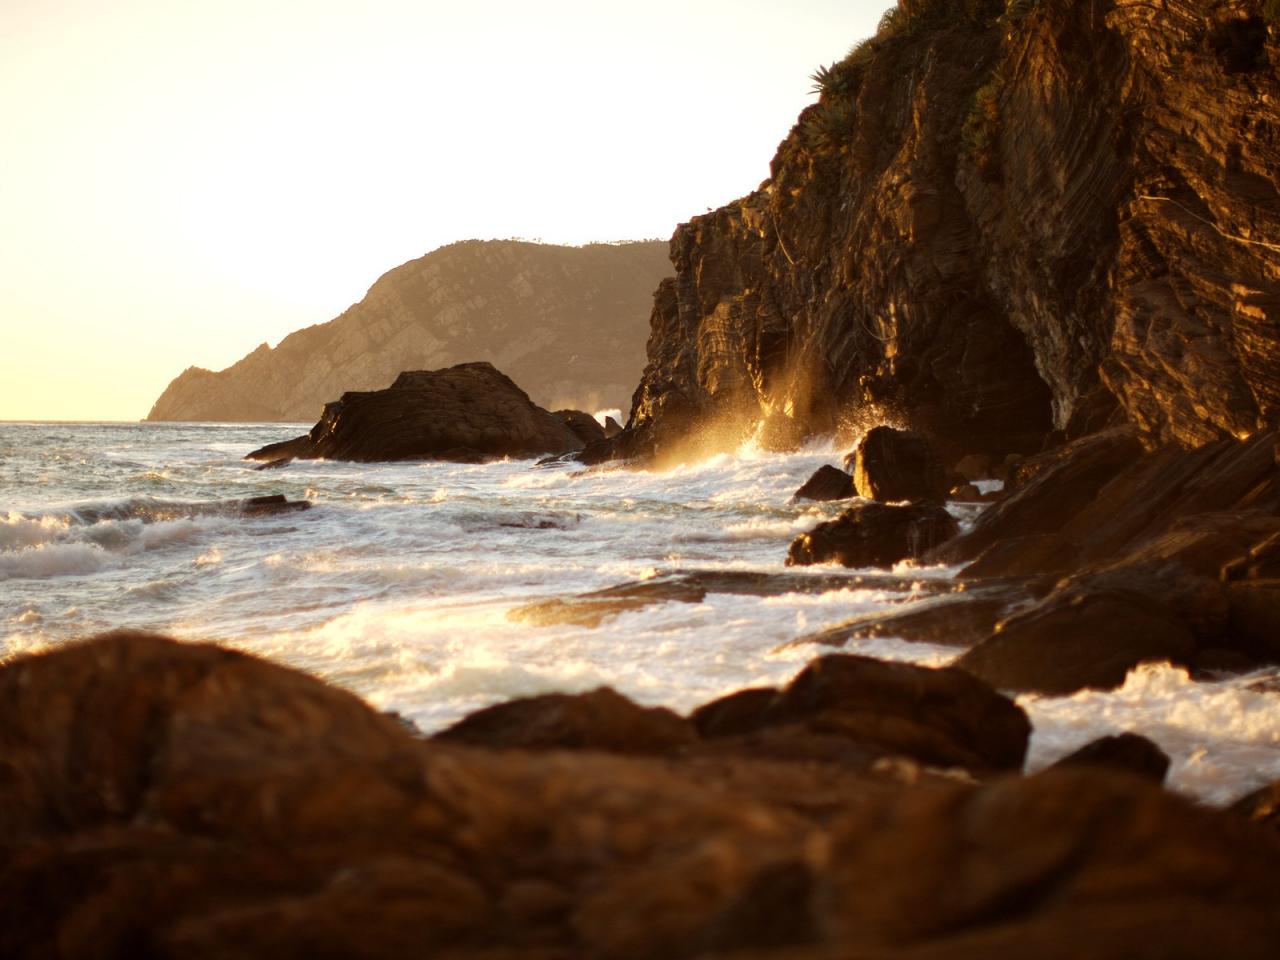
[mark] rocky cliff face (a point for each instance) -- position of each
(993, 223)
(567, 323)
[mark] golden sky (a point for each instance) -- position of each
(181, 181)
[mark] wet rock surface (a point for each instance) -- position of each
(996, 221)
(891, 464)
(827, 483)
(596, 606)
(1130, 752)
(180, 800)
(874, 535)
(469, 413)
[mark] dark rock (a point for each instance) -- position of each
(468, 414)
(594, 607)
(941, 717)
(1262, 806)
(271, 504)
(1045, 493)
(874, 535)
(1254, 618)
(602, 719)
(828, 483)
(611, 428)
(742, 711)
(891, 464)
(974, 466)
(1129, 752)
(965, 493)
(1076, 638)
(950, 619)
(1035, 854)
(177, 800)
(584, 426)
(275, 464)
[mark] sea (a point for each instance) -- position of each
(404, 582)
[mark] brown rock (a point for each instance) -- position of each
(180, 801)
(468, 413)
(874, 535)
(937, 716)
(828, 483)
(602, 719)
(1077, 638)
(584, 426)
(1129, 752)
(891, 464)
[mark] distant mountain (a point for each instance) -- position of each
(568, 324)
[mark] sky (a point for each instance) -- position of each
(182, 181)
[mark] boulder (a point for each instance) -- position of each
(974, 466)
(1068, 863)
(468, 413)
(602, 719)
(1077, 638)
(170, 800)
(895, 465)
(611, 428)
(827, 483)
(874, 535)
(940, 717)
(584, 426)
(1127, 751)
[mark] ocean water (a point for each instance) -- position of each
(400, 582)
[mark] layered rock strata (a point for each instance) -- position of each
(566, 322)
(992, 223)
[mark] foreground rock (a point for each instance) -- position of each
(939, 717)
(874, 535)
(175, 801)
(468, 413)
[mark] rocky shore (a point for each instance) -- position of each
(183, 800)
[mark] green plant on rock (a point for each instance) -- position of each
(982, 125)
(1016, 10)
(830, 126)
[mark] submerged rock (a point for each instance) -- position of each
(469, 414)
(874, 535)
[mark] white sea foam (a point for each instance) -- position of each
(1223, 737)
(398, 584)
(54, 560)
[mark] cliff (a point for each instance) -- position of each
(567, 323)
(995, 223)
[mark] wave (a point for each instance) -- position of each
(89, 538)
